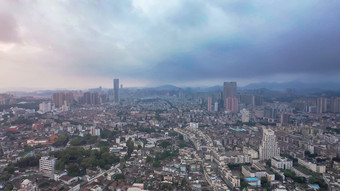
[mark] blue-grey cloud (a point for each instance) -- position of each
(176, 41)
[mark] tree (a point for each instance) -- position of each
(8, 186)
(156, 164)
(243, 184)
(73, 170)
(76, 141)
(164, 144)
(149, 159)
(265, 183)
(119, 176)
(182, 144)
(62, 140)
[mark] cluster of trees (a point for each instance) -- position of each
(240, 123)
(182, 144)
(107, 134)
(236, 166)
(243, 183)
(22, 120)
(22, 163)
(310, 155)
(164, 144)
(86, 140)
(162, 156)
(45, 183)
(265, 183)
(318, 180)
(76, 159)
(119, 176)
(165, 154)
(146, 130)
(62, 140)
(295, 160)
(337, 131)
(130, 145)
(292, 175)
(315, 178)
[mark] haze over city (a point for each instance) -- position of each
(172, 95)
(84, 44)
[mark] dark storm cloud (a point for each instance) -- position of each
(177, 41)
(311, 46)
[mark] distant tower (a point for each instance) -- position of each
(116, 90)
(269, 147)
(210, 104)
(284, 118)
(231, 104)
(245, 115)
(229, 90)
(335, 105)
(216, 106)
(321, 105)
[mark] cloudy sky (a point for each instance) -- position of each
(84, 44)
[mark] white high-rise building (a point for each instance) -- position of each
(95, 132)
(45, 107)
(216, 106)
(46, 165)
(269, 147)
(193, 125)
(245, 116)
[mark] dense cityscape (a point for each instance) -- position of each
(170, 138)
(176, 95)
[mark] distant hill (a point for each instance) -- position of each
(166, 87)
(311, 87)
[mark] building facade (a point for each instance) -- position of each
(231, 104)
(116, 90)
(47, 164)
(229, 90)
(209, 104)
(281, 162)
(269, 146)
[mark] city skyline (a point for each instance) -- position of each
(51, 45)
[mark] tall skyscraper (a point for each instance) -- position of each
(284, 118)
(269, 147)
(91, 98)
(335, 105)
(116, 89)
(210, 104)
(321, 105)
(229, 90)
(61, 98)
(231, 104)
(216, 106)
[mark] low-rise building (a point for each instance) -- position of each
(281, 162)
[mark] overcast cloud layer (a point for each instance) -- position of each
(81, 44)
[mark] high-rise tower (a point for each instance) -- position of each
(269, 147)
(321, 105)
(210, 104)
(116, 89)
(229, 90)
